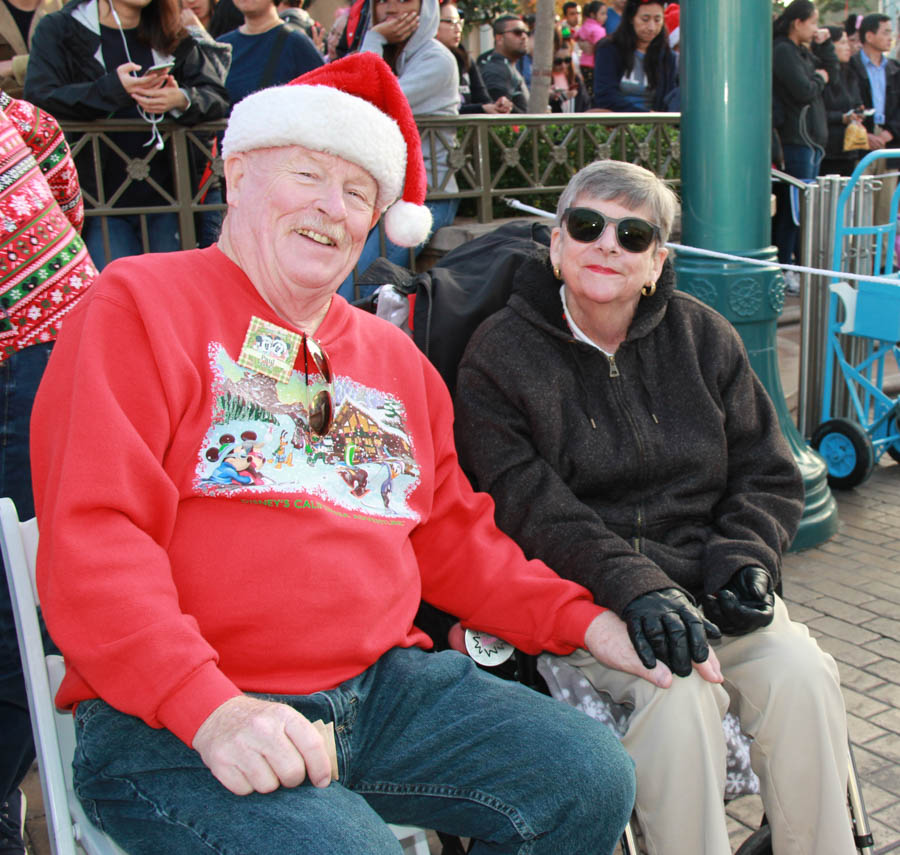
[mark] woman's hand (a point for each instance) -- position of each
(399, 29)
(744, 604)
(665, 626)
(822, 73)
(162, 99)
(822, 35)
(132, 84)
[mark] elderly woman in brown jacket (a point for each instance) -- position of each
(627, 443)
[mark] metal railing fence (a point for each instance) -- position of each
(531, 157)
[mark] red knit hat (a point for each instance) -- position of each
(352, 108)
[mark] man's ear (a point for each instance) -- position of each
(235, 170)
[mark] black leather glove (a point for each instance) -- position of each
(667, 626)
(746, 603)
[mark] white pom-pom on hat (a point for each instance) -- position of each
(353, 108)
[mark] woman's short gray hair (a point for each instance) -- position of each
(629, 185)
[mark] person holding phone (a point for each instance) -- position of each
(127, 59)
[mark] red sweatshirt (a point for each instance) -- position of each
(197, 542)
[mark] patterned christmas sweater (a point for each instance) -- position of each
(44, 265)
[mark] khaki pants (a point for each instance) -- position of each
(882, 203)
(786, 693)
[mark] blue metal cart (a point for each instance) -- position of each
(868, 310)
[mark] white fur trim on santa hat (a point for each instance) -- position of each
(323, 118)
(407, 224)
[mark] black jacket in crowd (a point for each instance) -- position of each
(841, 95)
(797, 89)
(662, 466)
(501, 77)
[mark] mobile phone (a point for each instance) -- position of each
(160, 68)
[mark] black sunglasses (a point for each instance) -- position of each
(586, 225)
(321, 408)
(559, 60)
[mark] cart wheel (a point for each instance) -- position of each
(758, 843)
(847, 451)
(893, 428)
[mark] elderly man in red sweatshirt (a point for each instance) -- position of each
(245, 486)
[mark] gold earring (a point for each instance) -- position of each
(557, 272)
(649, 289)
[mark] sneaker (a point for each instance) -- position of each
(791, 282)
(12, 825)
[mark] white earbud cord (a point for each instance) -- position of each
(152, 119)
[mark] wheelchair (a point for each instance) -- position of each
(447, 305)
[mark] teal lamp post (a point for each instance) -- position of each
(726, 103)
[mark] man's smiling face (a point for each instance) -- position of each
(309, 213)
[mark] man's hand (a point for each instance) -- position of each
(501, 105)
(608, 642)
(822, 73)
(255, 745)
(665, 625)
(875, 141)
(745, 603)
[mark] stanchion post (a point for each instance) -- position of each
(725, 164)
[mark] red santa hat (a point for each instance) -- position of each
(353, 108)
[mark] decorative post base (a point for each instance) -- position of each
(752, 298)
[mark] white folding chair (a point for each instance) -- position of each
(69, 828)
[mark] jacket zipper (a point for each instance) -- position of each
(614, 372)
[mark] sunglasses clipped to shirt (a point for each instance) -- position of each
(321, 406)
(586, 225)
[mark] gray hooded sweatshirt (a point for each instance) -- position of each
(429, 77)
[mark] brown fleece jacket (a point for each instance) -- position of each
(664, 466)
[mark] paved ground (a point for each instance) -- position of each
(848, 592)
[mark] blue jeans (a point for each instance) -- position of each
(125, 236)
(423, 739)
(443, 213)
(209, 223)
(802, 162)
(20, 375)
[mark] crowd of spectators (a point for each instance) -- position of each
(190, 61)
(835, 96)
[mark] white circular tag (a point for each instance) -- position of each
(487, 649)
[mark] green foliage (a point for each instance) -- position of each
(485, 11)
(536, 163)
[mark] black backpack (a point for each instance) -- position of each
(464, 288)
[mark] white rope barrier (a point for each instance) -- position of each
(710, 253)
